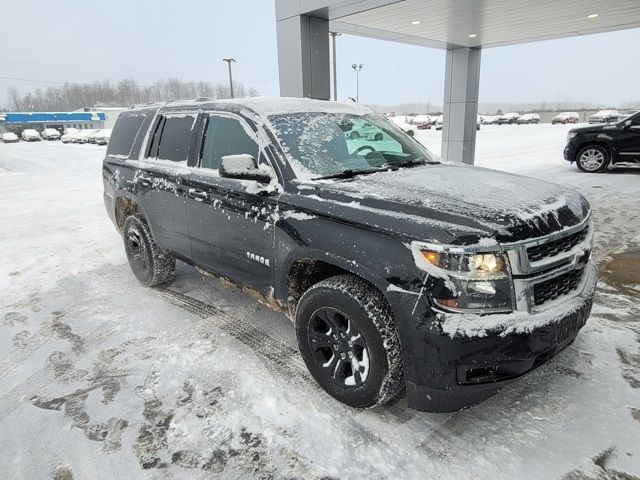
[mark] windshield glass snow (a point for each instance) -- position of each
(322, 144)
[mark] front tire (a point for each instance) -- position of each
(592, 159)
(349, 342)
(149, 264)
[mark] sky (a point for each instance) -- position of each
(84, 41)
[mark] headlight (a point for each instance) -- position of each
(463, 280)
(570, 135)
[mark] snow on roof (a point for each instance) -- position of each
(266, 106)
(275, 105)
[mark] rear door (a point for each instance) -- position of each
(230, 220)
(159, 179)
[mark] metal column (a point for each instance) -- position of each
(303, 56)
(461, 85)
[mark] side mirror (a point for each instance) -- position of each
(244, 167)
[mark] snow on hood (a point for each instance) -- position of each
(511, 207)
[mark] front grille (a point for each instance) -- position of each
(557, 286)
(556, 247)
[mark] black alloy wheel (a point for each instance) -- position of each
(149, 264)
(137, 253)
(338, 347)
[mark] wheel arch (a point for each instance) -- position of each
(306, 269)
(123, 208)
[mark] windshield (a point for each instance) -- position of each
(322, 144)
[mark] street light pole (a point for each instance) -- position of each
(229, 60)
(335, 73)
(357, 69)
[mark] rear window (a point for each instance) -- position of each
(123, 135)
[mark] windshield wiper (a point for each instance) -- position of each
(349, 173)
(420, 161)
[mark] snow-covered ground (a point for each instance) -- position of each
(101, 378)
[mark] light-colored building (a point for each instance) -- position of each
(18, 121)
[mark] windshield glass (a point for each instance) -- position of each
(322, 144)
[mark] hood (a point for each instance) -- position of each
(467, 202)
(595, 128)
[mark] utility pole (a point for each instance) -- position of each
(229, 60)
(335, 72)
(357, 69)
(29, 104)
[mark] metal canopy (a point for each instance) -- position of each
(448, 23)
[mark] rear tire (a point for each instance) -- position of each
(149, 264)
(592, 159)
(349, 342)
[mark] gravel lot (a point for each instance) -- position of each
(101, 378)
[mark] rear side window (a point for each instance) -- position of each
(225, 136)
(123, 135)
(175, 138)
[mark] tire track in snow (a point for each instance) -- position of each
(279, 358)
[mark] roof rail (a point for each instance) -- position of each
(203, 99)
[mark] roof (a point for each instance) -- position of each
(264, 106)
(467, 23)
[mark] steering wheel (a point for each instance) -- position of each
(364, 147)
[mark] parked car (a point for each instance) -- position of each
(102, 137)
(604, 116)
(422, 122)
(597, 147)
(508, 118)
(69, 135)
(30, 135)
(400, 272)
(9, 137)
(565, 117)
(50, 134)
(365, 131)
(83, 136)
(490, 119)
(528, 118)
(439, 122)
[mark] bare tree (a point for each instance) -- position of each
(127, 91)
(14, 98)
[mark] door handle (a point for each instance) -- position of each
(198, 194)
(144, 181)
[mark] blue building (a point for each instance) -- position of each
(18, 121)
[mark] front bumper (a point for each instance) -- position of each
(570, 152)
(476, 359)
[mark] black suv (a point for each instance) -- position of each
(597, 147)
(399, 271)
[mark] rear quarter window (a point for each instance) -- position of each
(175, 138)
(123, 135)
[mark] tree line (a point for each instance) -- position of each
(72, 96)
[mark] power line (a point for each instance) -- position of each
(107, 85)
(114, 47)
(124, 59)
